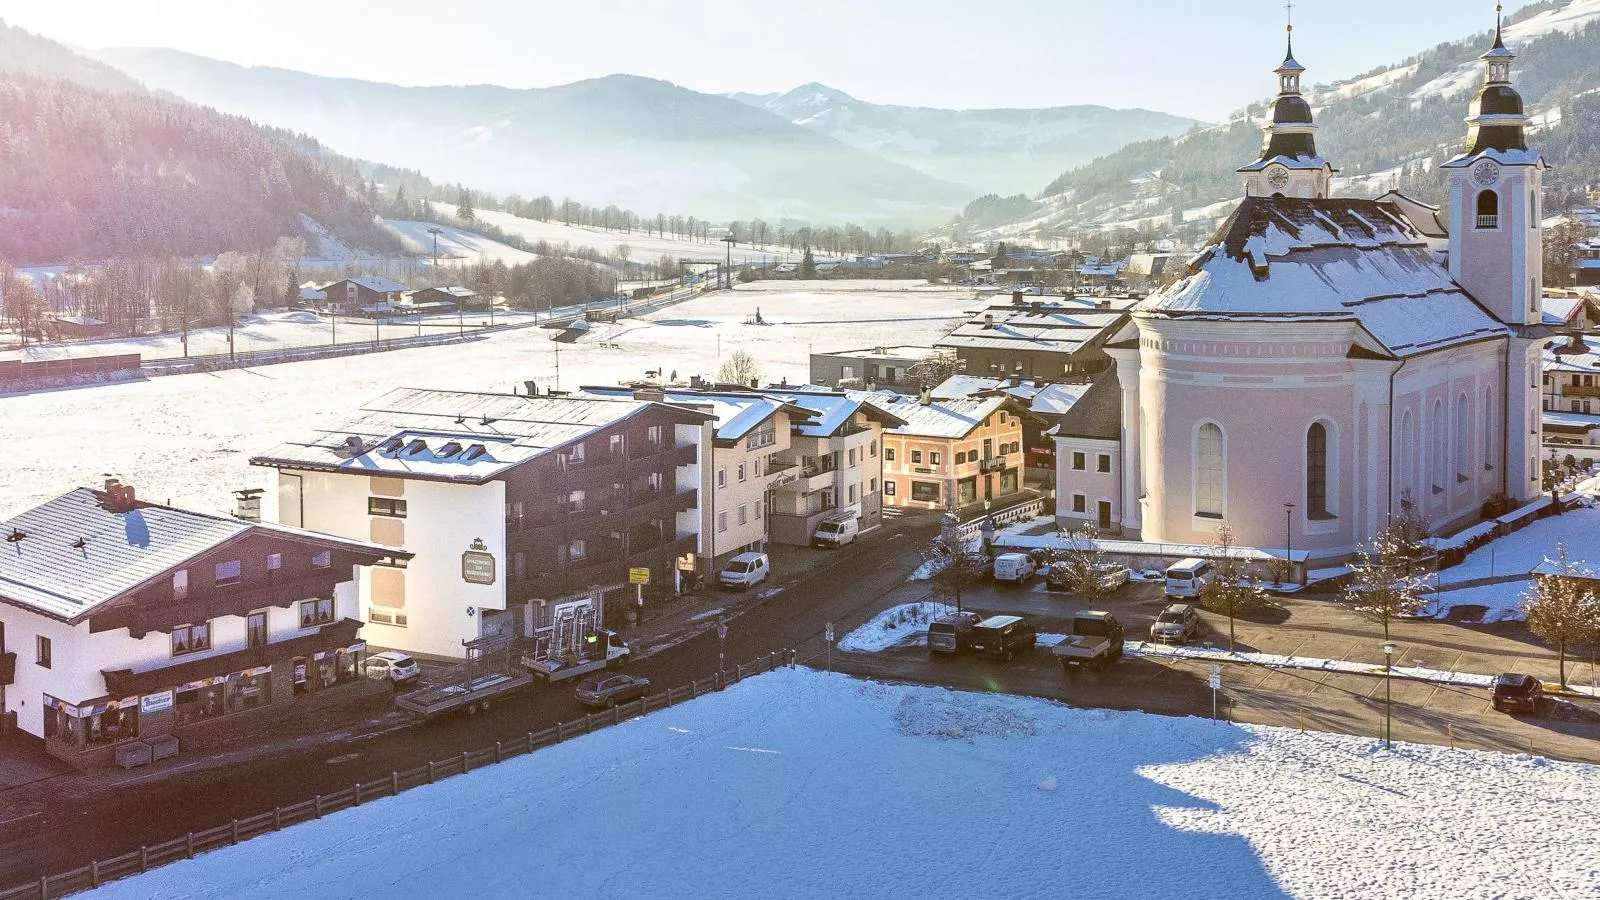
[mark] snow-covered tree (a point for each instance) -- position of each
(1383, 584)
(1235, 588)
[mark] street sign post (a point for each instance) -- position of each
(722, 638)
(827, 635)
(1216, 685)
(639, 577)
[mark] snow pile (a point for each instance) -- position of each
(905, 625)
(803, 784)
(1276, 661)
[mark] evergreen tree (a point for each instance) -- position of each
(808, 267)
(464, 210)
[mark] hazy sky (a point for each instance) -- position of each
(1180, 56)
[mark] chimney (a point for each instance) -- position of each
(696, 382)
(652, 394)
(926, 396)
(1016, 298)
(988, 320)
(119, 496)
(1103, 304)
(1037, 307)
(247, 505)
(533, 387)
(784, 382)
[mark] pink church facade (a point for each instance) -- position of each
(1320, 367)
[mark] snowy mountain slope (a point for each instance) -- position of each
(636, 142)
(1385, 129)
(1005, 151)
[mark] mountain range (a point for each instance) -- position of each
(1004, 151)
(1386, 129)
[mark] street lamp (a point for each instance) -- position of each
(722, 639)
(1388, 721)
(1288, 541)
(727, 267)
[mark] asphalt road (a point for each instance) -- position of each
(78, 826)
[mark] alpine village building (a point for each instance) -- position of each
(128, 626)
(514, 508)
(1319, 368)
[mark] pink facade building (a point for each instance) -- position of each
(1322, 365)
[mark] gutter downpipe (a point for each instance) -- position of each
(1390, 453)
(1505, 414)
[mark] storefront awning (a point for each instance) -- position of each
(126, 682)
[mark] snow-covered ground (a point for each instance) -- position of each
(804, 784)
(645, 247)
(1517, 554)
(456, 245)
(905, 625)
(189, 438)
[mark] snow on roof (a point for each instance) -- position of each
(46, 573)
(1046, 399)
(1288, 162)
(939, 418)
(735, 414)
(452, 435)
(1571, 419)
(1328, 260)
(454, 290)
(1058, 325)
(897, 352)
(1587, 361)
(86, 321)
(833, 410)
(312, 293)
(377, 283)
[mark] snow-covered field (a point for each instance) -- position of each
(1517, 554)
(805, 784)
(645, 247)
(189, 438)
(456, 245)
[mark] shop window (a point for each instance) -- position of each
(316, 612)
(386, 506)
(110, 726)
(228, 573)
(191, 639)
(237, 692)
(925, 491)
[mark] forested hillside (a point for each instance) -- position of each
(93, 167)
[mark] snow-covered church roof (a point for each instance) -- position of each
(1287, 259)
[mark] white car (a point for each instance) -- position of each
(394, 667)
(745, 571)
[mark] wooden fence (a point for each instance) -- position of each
(145, 858)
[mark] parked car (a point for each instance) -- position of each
(1177, 624)
(1002, 637)
(745, 571)
(394, 667)
(1095, 642)
(835, 533)
(1517, 693)
(609, 690)
(1062, 576)
(950, 632)
(1014, 567)
(1188, 577)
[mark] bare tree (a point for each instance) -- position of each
(741, 368)
(931, 371)
(1562, 607)
(1383, 586)
(1235, 588)
(954, 561)
(1085, 563)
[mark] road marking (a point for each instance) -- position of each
(18, 818)
(160, 774)
(756, 750)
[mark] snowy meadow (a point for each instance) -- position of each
(804, 784)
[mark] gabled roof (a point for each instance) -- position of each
(374, 283)
(47, 573)
(1098, 413)
(833, 410)
(734, 413)
(1046, 399)
(1057, 325)
(945, 419)
(1358, 261)
(455, 435)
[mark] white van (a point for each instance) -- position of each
(1017, 567)
(835, 532)
(1186, 577)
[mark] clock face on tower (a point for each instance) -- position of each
(1278, 176)
(1486, 172)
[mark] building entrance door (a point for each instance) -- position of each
(1104, 517)
(988, 487)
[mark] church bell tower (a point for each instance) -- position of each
(1289, 165)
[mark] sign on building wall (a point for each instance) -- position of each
(154, 703)
(477, 564)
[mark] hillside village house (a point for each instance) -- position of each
(1572, 392)
(873, 366)
(1047, 402)
(512, 505)
(949, 453)
(833, 465)
(1316, 370)
(746, 433)
(126, 626)
(370, 295)
(1056, 339)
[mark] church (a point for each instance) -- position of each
(1326, 363)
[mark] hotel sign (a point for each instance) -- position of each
(477, 564)
(154, 703)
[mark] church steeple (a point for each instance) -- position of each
(1288, 165)
(1496, 120)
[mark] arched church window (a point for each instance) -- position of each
(1463, 450)
(1533, 209)
(1436, 446)
(1408, 455)
(1488, 428)
(1317, 471)
(1488, 209)
(1210, 454)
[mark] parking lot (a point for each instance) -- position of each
(1304, 627)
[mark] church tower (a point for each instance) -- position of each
(1289, 165)
(1496, 245)
(1497, 253)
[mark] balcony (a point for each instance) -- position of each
(221, 601)
(126, 682)
(782, 472)
(684, 455)
(645, 449)
(683, 501)
(1488, 223)
(8, 669)
(1578, 390)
